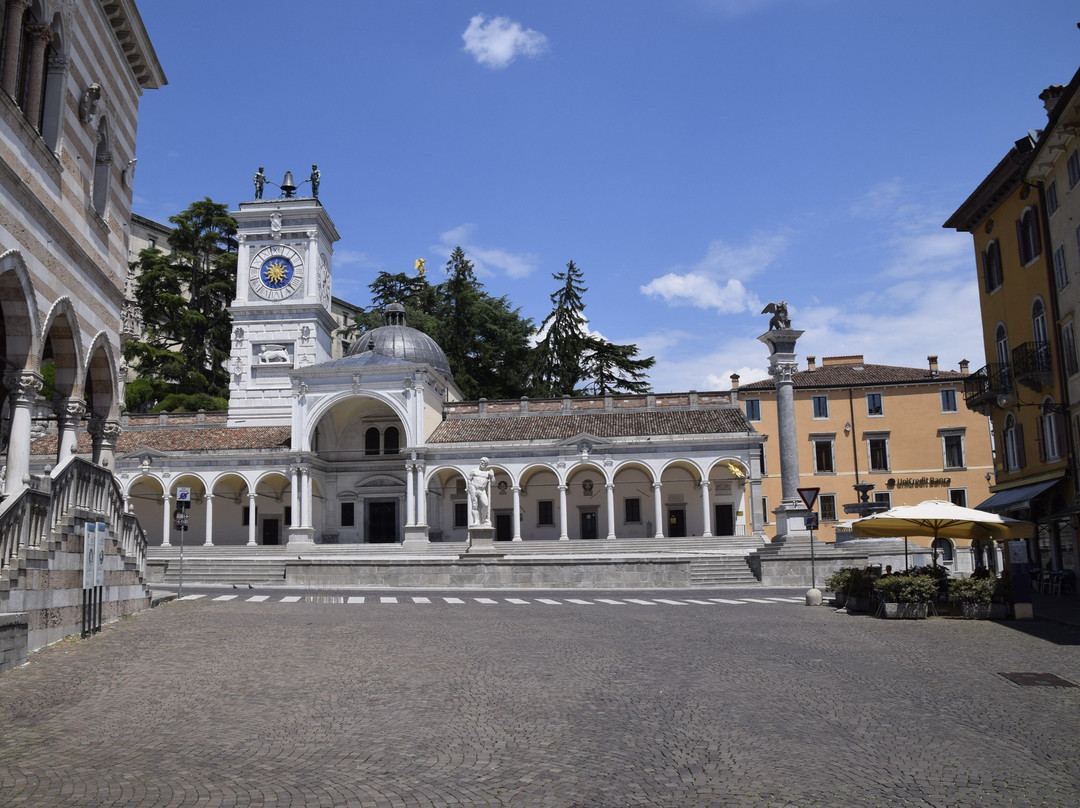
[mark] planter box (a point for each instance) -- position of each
(984, 611)
(856, 604)
(905, 611)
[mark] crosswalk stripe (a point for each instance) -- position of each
(788, 600)
(225, 597)
(453, 600)
(640, 602)
(356, 599)
(612, 602)
(421, 600)
(388, 600)
(290, 599)
(192, 597)
(699, 602)
(517, 601)
(580, 602)
(549, 601)
(725, 600)
(485, 601)
(258, 598)
(760, 600)
(671, 602)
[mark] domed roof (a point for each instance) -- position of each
(397, 342)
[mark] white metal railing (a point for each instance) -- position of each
(80, 489)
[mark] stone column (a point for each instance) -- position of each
(12, 42)
(251, 519)
(104, 435)
(294, 496)
(610, 510)
(209, 540)
(166, 520)
(782, 367)
(563, 534)
(517, 512)
(23, 388)
(69, 414)
(306, 522)
(706, 515)
(658, 508)
(40, 36)
(410, 496)
(421, 496)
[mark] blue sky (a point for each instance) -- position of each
(695, 158)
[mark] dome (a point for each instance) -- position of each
(396, 342)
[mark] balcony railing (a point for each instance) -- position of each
(982, 387)
(1031, 364)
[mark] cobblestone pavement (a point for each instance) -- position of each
(203, 703)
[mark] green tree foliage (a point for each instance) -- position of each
(614, 368)
(570, 361)
(184, 298)
(556, 361)
(486, 341)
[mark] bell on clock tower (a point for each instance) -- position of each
(281, 313)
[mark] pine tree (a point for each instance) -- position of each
(615, 369)
(184, 298)
(557, 368)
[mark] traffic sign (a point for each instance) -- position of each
(809, 496)
(183, 494)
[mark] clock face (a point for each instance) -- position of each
(276, 272)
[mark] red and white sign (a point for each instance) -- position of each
(809, 496)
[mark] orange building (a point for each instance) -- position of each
(906, 430)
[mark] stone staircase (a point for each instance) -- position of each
(210, 570)
(718, 571)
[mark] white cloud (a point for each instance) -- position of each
(495, 43)
(717, 280)
(488, 261)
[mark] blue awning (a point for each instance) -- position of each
(1014, 499)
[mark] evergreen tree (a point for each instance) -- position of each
(556, 360)
(615, 369)
(184, 297)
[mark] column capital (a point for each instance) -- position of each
(784, 370)
(41, 33)
(656, 485)
(105, 431)
(69, 411)
(23, 386)
(252, 496)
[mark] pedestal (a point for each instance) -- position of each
(300, 538)
(481, 539)
(416, 538)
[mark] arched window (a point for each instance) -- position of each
(1001, 341)
(992, 274)
(1038, 321)
(391, 440)
(371, 441)
(1027, 236)
(1051, 431)
(1014, 444)
(944, 549)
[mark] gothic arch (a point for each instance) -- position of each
(100, 388)
(20, 321)
(61, 344)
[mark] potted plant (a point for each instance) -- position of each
(976, 596)
(852, 587)
(906, 597)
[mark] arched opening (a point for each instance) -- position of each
(634, 511)
(727, 498)
(228, 503)
(681, 500)
(269, 513)
(586, 503)
(541, 518)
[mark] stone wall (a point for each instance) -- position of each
(493, 573)
(46, 586)
(13, 647)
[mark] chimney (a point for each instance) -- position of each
(932, 359)
(1050, 97)
(811, 363)
(734, 381)
(963, 366)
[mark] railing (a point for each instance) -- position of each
(80, 489)
(983, 386)
(1031, 363)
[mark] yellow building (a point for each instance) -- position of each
(1022, 387)
(905, 430)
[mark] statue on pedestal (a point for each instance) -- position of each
(260, 181)
(480, 481)
(780, 319)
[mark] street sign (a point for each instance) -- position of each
(183, 494)
(811, 521)
(809, 496)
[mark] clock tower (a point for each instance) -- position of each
(281, 317)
